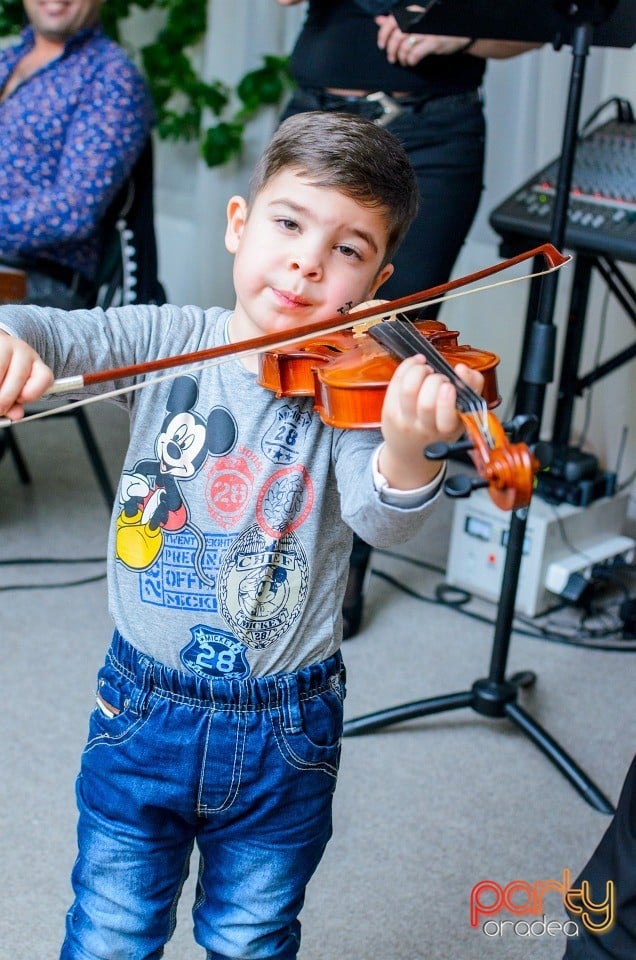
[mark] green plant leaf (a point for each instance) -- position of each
(221, 143)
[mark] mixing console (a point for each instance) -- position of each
(601, 215)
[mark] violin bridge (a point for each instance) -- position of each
(363, 326)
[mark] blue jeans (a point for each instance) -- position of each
(246, 769)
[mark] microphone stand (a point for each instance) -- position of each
(494, 695)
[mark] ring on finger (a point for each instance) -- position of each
(411, 40)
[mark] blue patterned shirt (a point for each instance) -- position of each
(69, 137)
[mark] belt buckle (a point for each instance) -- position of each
(390, 107)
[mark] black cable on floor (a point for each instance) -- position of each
(51, 586)
(50, 561)
(456, 599)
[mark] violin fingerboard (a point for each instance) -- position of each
(402, 339)
(385, 334)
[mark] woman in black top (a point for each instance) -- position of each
(426, 89)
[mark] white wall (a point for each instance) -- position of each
(191, 198)
(525, 101)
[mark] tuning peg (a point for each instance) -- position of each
(544, 452)
(522, 428)
(442, 451)
(462, 485)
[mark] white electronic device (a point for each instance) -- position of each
(559, 540)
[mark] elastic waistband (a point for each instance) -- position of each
(250, 693)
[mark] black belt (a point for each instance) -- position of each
(379, 106)
(72, 279)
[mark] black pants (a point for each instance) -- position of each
(614, 859)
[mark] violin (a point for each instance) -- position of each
(347, 374)
(506, 468)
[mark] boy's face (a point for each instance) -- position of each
(303, 253)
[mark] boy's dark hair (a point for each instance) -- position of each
(350, 154)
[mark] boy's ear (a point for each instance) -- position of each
(236, 217)
(382, 276)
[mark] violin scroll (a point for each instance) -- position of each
(507, 468)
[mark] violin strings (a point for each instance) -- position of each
(469, 401)
(415, 340)
(404, 339)
(472, 401)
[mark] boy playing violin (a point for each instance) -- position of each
(218, 711)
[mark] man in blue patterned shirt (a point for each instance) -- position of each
(75, 114)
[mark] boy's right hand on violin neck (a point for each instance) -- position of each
(24, 377)
(420, 408)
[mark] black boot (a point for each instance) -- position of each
(354, 593)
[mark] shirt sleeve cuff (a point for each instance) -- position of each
(404, 498)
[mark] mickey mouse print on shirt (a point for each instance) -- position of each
(151, 496)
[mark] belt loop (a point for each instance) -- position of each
(340, 680)
(290, 704)
(144, 686)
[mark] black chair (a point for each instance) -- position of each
(128, 274)
(129, 269)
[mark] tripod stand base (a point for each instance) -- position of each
(495, 700)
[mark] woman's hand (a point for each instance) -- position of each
(408, 49)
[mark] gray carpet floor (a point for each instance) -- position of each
(424, 810)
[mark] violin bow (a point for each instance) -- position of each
(213, 355)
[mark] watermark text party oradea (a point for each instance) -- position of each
(528, 901)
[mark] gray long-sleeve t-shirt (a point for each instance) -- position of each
(230, 538)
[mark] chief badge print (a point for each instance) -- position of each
(263, 579)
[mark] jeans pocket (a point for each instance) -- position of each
(113, 695)
(322, 718)
(309, 729)
(115, 715)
